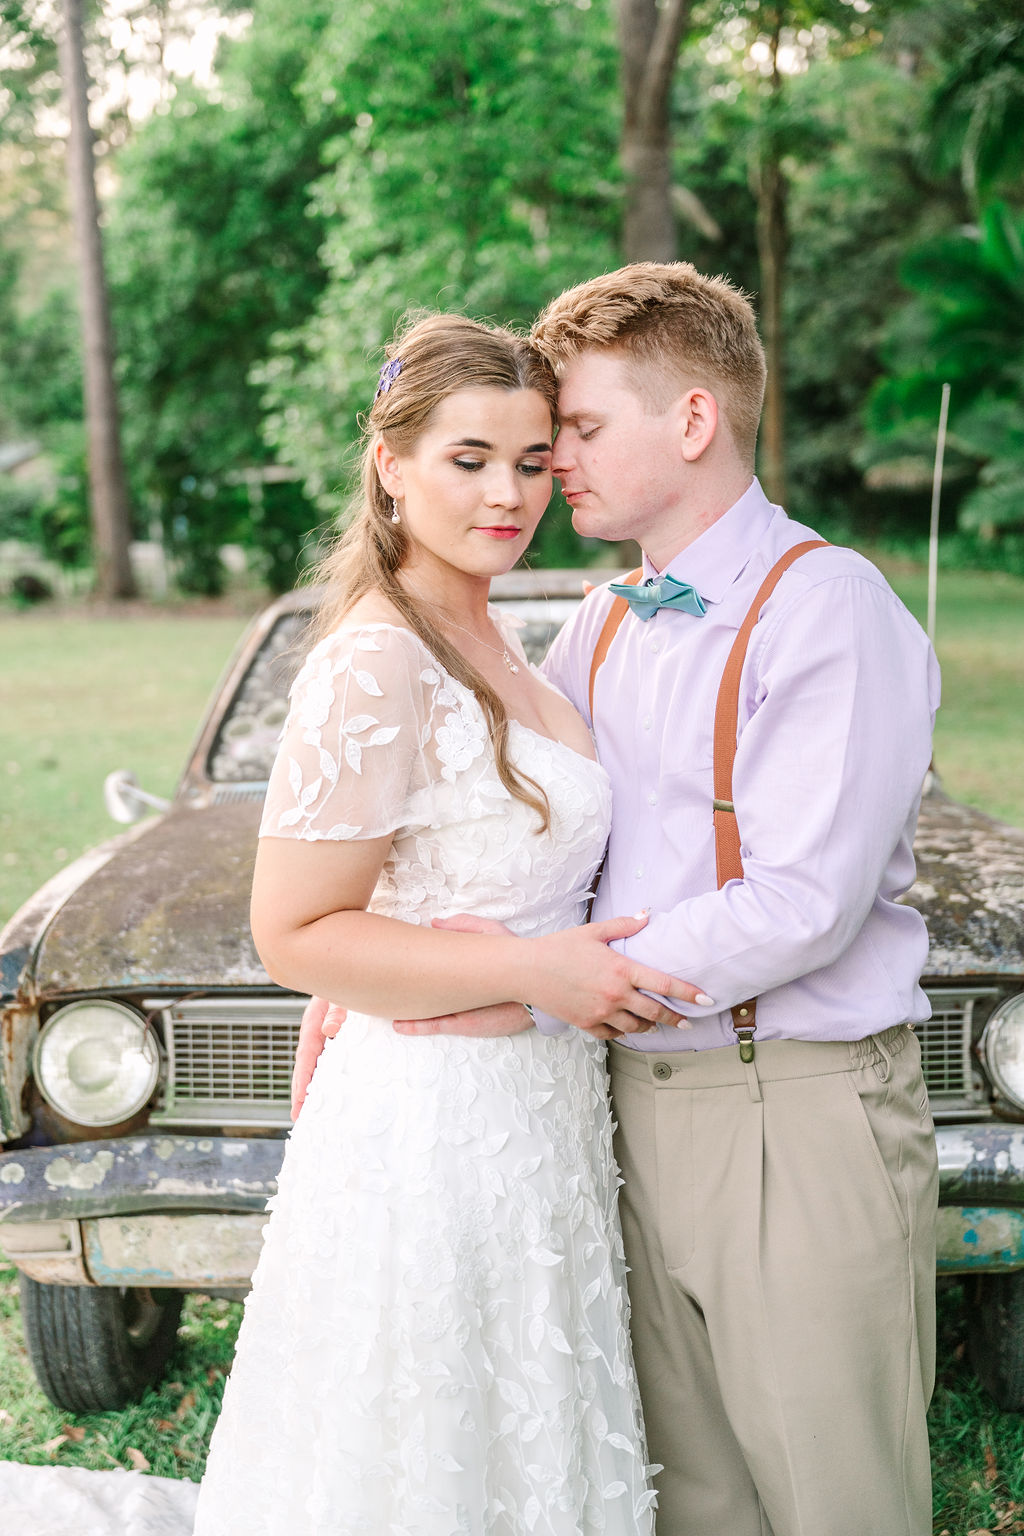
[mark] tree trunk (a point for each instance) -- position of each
(649, 40)
(111, 522)
(772, 192)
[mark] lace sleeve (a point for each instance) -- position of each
(351, 755)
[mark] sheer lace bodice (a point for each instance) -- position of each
(381, 741)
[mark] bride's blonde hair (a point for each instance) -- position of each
(438, 356)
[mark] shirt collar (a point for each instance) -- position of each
(714, 560)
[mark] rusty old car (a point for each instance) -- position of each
(145, 1056)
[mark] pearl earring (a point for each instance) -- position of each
(394, 511)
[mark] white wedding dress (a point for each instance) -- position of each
(436, 1340)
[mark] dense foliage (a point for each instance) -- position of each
(858, 167)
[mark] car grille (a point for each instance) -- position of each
(231, 794)
(229, 1060)
(953, 1080)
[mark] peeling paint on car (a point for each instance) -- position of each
(128, 1175)
(179, 1250)
(62, 1173)
(972, 1238)
(19, 1025)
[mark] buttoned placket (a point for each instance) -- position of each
(649, 742)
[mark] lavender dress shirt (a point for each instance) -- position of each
(837, 705)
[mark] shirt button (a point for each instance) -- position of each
(652, 798)
(646, 722)
(640, 873)
(656, 647)
(662, 1071)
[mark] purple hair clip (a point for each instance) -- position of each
(388, 374)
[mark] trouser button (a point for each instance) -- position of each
(662, 1071)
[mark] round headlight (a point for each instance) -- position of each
(96, 1063)
(1003, 1045)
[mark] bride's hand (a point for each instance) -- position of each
(576, 977)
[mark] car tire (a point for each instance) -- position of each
(97, 1347)
(995, 1337)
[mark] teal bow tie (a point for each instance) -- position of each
(660, 592)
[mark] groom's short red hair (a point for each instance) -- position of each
(675, 327)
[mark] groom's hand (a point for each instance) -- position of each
(485, 1023)
(307, 1052)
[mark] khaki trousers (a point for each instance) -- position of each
(779, 1223)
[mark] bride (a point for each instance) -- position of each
(436, 1339)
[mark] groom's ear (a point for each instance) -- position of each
(697, 414)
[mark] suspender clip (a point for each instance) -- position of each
(746, 1043)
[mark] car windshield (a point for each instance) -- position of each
(246, 742)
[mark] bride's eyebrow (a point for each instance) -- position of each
(477, 442)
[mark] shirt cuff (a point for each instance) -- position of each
(547, 1024)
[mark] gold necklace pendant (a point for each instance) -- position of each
(503, 653)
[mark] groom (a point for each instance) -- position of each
(779, 1196)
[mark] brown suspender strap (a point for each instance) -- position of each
(616, 613)
(728, 862)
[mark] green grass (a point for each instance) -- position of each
(977, 1452)
(979, 640)
(170, 1428)
(83, 695)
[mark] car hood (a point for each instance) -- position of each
(169, 907)
(970, 889)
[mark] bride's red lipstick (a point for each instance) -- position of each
(501, 532)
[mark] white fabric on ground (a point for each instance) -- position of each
(71, 1501)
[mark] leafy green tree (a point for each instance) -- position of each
(770, 57)
(477, 173)
(109, 509)
(962, 322)
(47, 56)
(976, 118)
(966, 327)
(40, 378)
(213, 250)
(30, 85)
(650, 35)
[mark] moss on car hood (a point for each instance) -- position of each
(970, 888)
(168, 908)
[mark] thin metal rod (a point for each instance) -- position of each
(933, 535)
